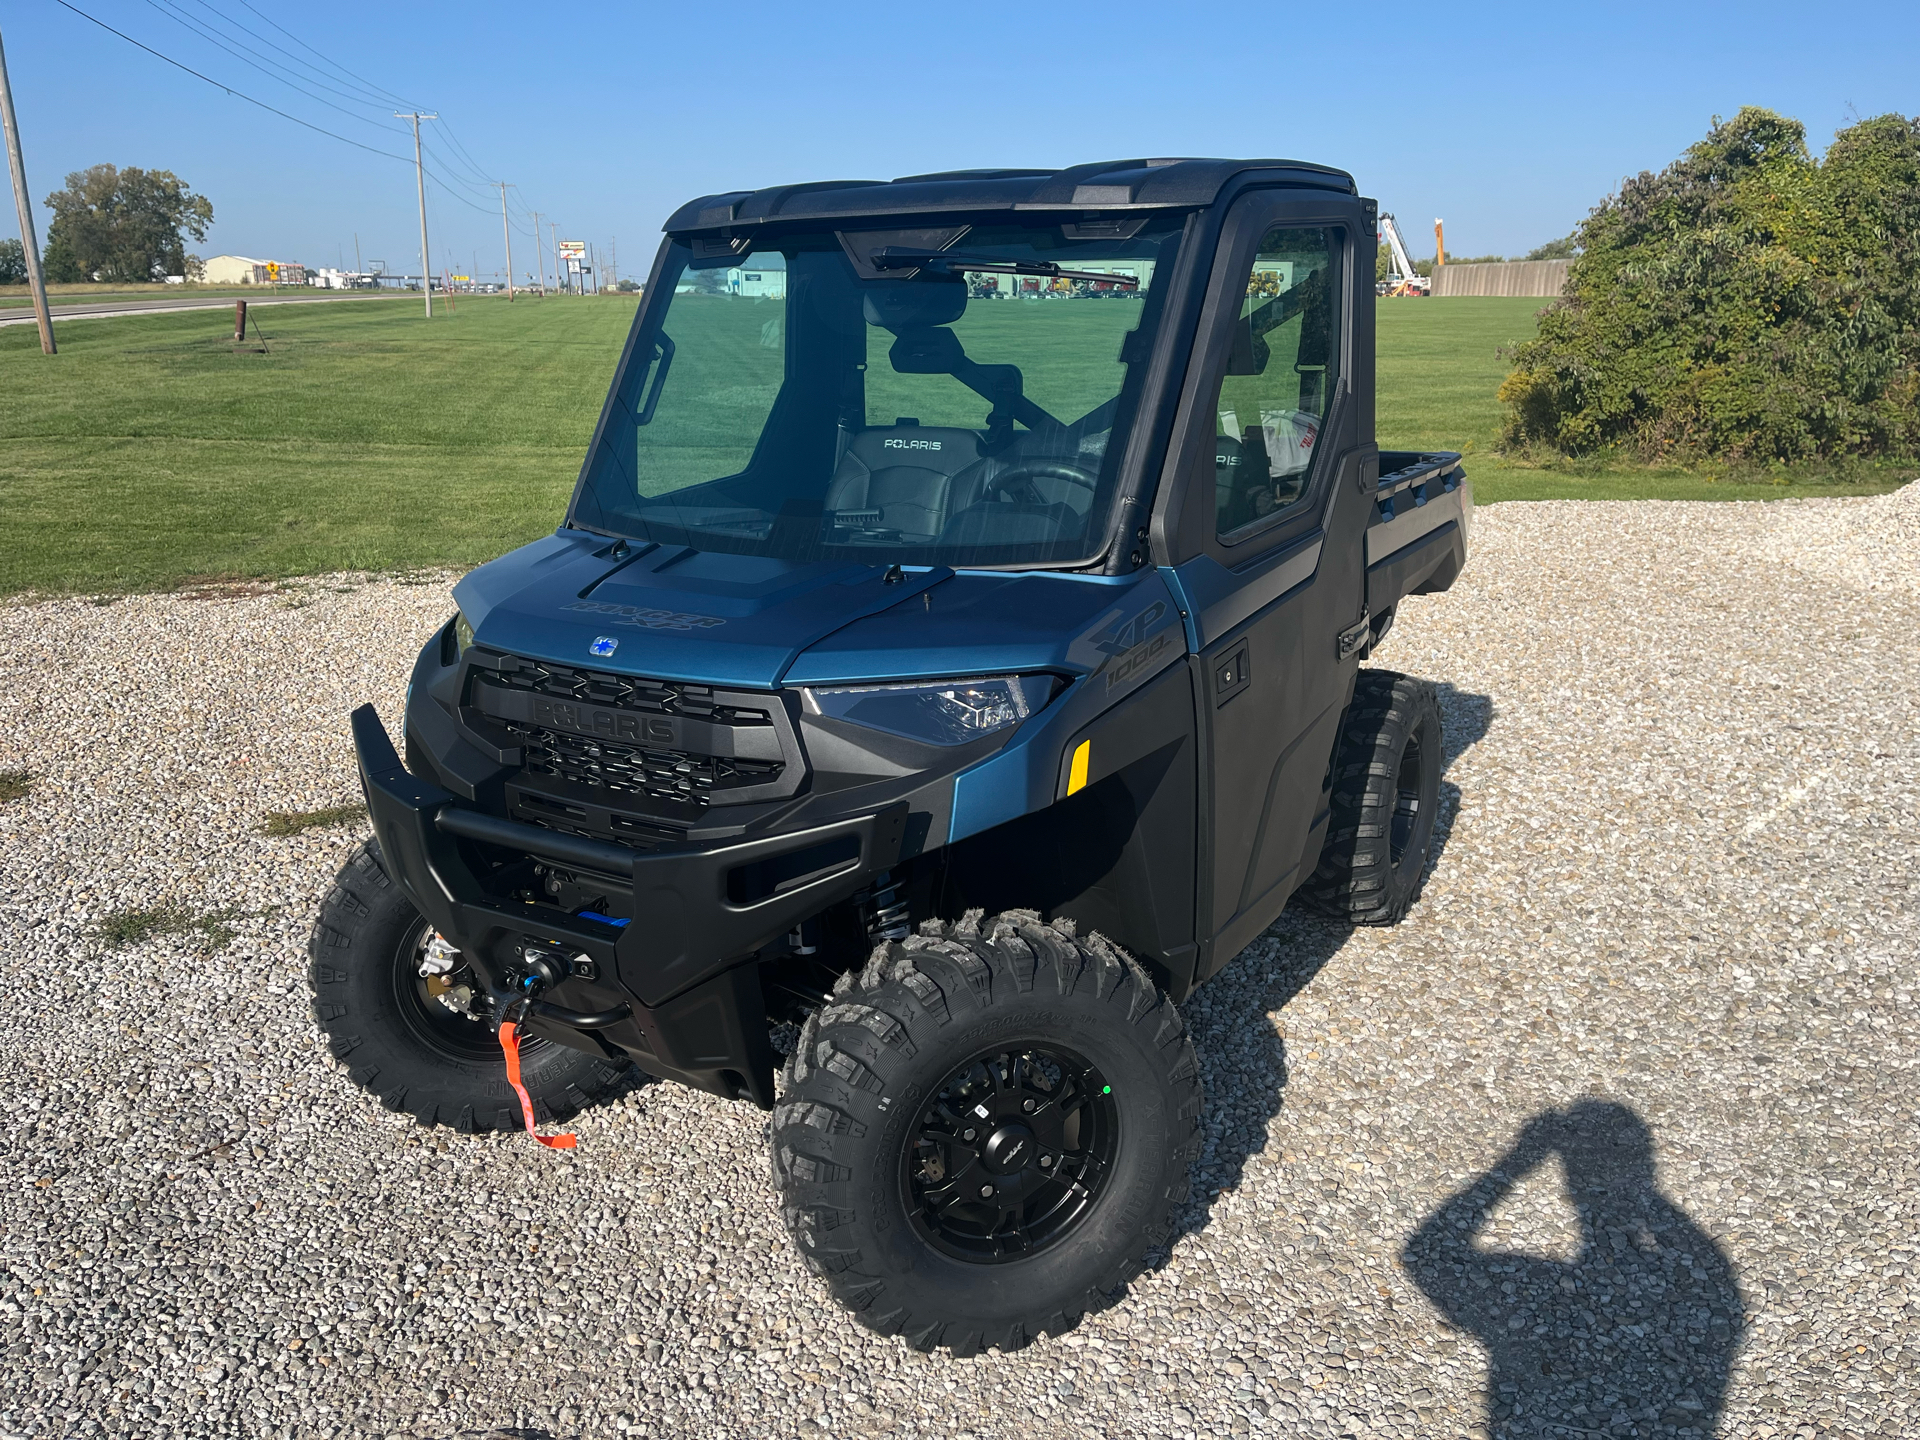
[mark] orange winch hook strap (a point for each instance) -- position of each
(510, 1042)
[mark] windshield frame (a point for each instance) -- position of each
(1127, 492)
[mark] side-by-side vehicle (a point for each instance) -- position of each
(950, 657)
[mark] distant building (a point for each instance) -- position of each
(752, 280)
(328, 278)
(228, 270)
(241, 270)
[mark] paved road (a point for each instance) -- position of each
(111, 309)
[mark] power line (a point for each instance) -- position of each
(237, 94)
(179, 17)
(334, 63)
(453, 194)
(377, 96)
(445, 182)
(447, 160)
(478, 169)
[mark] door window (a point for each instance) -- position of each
(1281, 372)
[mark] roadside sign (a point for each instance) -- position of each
(273, 269)
(573, 249)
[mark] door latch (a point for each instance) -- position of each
(1230, 674)
(1353, 637)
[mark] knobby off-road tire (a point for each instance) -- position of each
(880, 1192)
(399, 1043)
(1386, 792)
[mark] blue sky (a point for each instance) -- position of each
(1509, 121)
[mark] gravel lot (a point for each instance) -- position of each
(1655, 1010)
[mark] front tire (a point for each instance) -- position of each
(984, 1134)
(397, 1042)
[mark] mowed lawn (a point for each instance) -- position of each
(152, 451)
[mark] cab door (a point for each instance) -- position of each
(1265, 523)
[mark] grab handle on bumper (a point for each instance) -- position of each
(553, 845)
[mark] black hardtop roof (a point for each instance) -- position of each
(1106, 185)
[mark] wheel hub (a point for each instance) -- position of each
(443, 1002)
(1009, 1149)
(1011, 1154)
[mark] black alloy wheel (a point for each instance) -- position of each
(438, 1025)
(1407, 807)
(1011, 1154)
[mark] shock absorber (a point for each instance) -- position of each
(885, 907)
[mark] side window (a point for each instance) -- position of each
(1280, 378)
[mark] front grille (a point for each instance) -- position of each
(673, 783)
(677, 776)
(622, 692)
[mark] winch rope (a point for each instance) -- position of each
(510, 1043)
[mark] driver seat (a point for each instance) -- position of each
(906, 473)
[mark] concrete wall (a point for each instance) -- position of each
(1517, 277)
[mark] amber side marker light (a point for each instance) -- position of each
(1077, 776)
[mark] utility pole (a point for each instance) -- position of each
(554, 235)
(420, 178)
(506, 234)
(29, 240)
(539, 255)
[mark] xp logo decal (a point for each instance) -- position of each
(604, 646)
(1136, 647)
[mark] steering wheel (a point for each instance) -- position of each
(1030, 470)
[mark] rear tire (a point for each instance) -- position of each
(1386, 792)
(401, 1045)
(1086, 1091)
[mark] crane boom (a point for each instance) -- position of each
(1402, 281)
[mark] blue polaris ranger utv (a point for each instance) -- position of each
(950, 657)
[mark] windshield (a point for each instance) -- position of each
(863, 396)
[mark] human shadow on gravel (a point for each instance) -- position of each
(1634, 1337)
(1243, 1060)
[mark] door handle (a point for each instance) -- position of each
(1350, 639)
(1230, 675)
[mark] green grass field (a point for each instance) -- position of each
(153, 451)
(14, 296)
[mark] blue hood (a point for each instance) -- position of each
(747, 621)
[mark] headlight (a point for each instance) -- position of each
(937, 712)
(462, 634)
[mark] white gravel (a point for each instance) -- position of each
(1870, 544)
(1677, 890)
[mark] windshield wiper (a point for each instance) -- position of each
(894, 257)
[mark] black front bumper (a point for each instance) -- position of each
(682, 968)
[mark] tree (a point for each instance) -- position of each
(121, 225)
(1561, 249)
(13, 263)
(1746, 303)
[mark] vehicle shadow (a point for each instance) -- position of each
(1634, 1336)
(1465, 719)
(1243, 1057)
